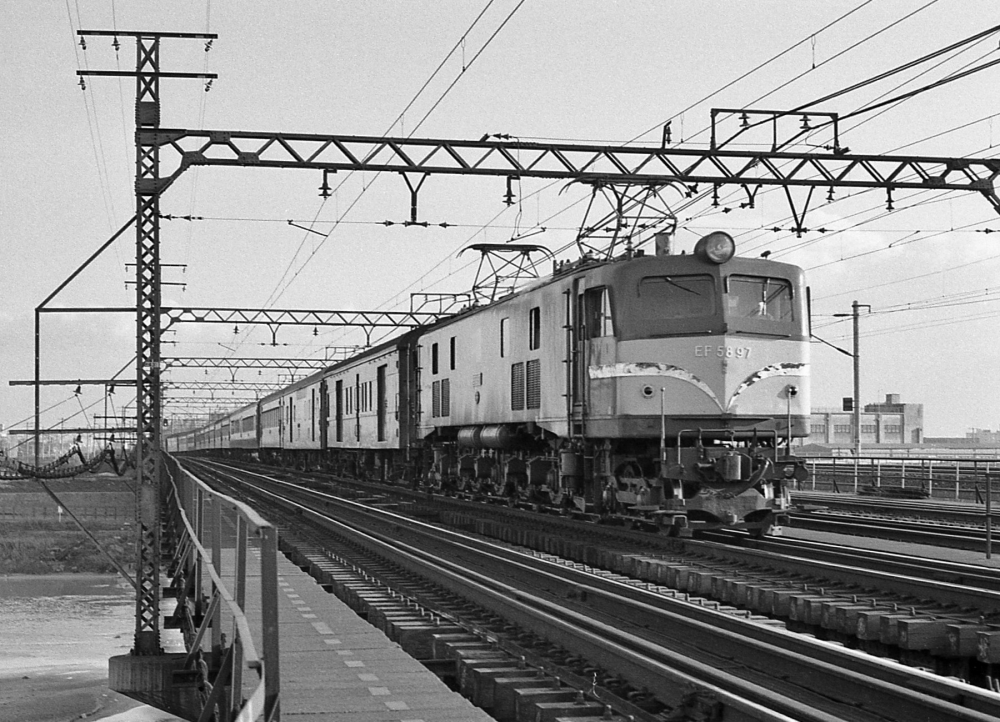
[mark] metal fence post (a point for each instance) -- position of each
(239, 594)
(199, 529)
(269, 614)
(975, 477)
(989, 516)
(216, 507)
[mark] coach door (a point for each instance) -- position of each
(380, 401)
(324, 413)
(339, 401)
(576, 347)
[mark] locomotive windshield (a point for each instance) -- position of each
(677, 296)
(761, 298)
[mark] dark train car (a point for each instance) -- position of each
(371, 409)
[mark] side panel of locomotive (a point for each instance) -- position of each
(503, 364)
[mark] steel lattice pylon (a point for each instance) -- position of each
(148, 325)
(147, 303)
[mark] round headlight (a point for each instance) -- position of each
(717, 247)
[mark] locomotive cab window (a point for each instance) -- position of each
(597, 317)
(677, 296)
(760, 298)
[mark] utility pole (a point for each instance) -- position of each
(856, 425)
(857, 383)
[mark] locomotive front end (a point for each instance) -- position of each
(702, 388)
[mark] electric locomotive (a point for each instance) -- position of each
(661, 388)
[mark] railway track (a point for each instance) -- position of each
(646, 633)
(954, 526)
(933, 509)
(903, 607)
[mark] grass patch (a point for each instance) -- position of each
(43, 546)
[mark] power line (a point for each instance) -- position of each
(426, 115)
(747, 74)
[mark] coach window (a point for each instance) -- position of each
(451, 345)
(434, 359)
(504, 336)
(534, 328)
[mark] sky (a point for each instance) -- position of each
(593, 71)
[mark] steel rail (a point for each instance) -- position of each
(907, 531)
(643, 663)
(940, 570)
(919, 576)
(936, 508)
(889, 698)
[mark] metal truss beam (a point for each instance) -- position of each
(74, 430)
(244, 363)
(230, 402)
(272, 317)
(594, 164)
(220, 386)
(74, 382)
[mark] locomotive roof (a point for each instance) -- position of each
(606, 270)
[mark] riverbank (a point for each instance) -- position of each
(57, 635)
(40, 537)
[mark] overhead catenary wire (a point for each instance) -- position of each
(507, 19)
(276, 295)
(706, 212)
(282, 285)
(99, 163)
(710, 95)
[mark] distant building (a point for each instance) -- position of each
(983, 437)
(891, 422)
